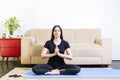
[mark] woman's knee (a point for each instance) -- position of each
(77, 69)
(41, 68)
(71, 70)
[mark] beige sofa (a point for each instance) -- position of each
(87, 45)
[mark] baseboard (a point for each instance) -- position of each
(115, 60)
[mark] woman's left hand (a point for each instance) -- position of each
(67, 56)
(56, 49)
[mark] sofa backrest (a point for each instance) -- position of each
(87, 35)
(40, 35)
(71, 35)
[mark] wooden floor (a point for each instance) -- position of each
(6, 67)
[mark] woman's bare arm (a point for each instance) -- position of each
(45, 53)
(66, 56)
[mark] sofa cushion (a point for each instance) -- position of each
(86, 35)
(36, 50)
(40, 35)
(38, 60)
(69, 35)
(84, 60)
(85, 50)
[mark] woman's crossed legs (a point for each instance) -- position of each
(42, 69)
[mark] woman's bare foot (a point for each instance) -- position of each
(55, 71)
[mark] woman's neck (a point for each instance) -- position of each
(57, 41)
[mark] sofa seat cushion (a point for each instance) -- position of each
(84, 60)
(36, 50)
(86, 50)
(38, 60)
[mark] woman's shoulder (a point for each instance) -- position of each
(48, 41)
(64, 41)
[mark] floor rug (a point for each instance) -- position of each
(84, 73)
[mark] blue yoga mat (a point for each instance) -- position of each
(84, 73)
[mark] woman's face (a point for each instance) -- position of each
(57, 32)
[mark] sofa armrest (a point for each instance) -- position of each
(26, 43)
(106, 44)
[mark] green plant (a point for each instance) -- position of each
(12, 24)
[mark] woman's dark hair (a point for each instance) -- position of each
(52, 35)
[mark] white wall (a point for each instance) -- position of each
(22, 9)
(103, 14)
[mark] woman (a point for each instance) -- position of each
(54, 50)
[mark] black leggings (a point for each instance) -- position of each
(40, 69)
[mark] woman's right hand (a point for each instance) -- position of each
(56, 49)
